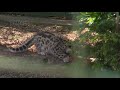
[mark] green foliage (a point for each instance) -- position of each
(108, 51)
(106, 48)
(98, 21)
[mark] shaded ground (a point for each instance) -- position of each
(29, 64)
(16, 35)
(13, 74)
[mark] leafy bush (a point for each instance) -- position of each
(104, 42)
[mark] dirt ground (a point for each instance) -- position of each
(16, 35)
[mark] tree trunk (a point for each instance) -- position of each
(117, 21)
